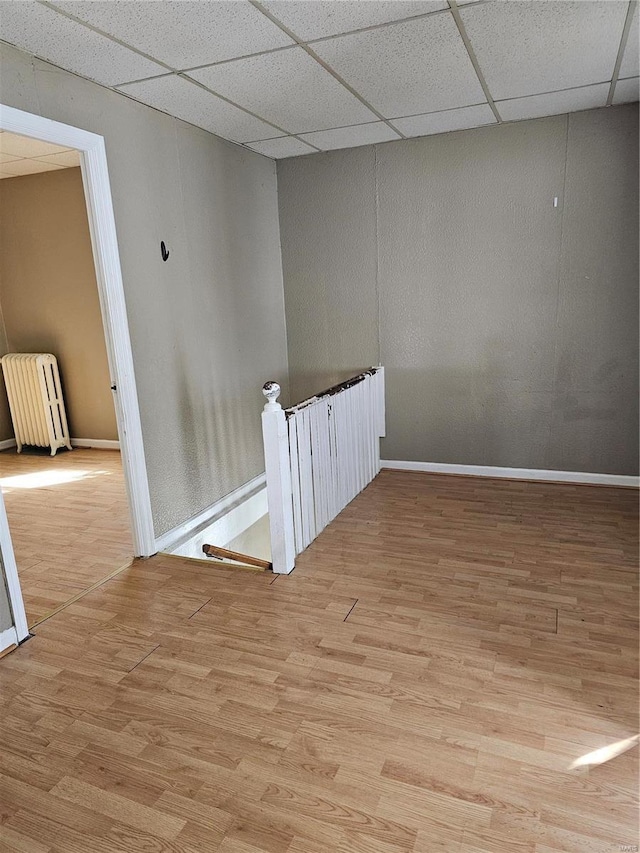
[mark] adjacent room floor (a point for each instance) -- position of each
(69, 522)
(421, 682)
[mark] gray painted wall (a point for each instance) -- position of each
(207, 327)
(509, 328)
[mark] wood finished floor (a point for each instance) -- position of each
(421, 682)
(69, 522)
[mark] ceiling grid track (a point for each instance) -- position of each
(453, 7)
(623, 43)
(373, 27)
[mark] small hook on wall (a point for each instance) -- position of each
(164, 251)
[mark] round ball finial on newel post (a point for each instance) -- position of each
(271, 391)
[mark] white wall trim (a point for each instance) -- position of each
(239, 502)
(95, 177)
(11, 576)
(540, 474)
(96, 443)
(8, 638)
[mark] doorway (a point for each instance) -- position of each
(90, 466)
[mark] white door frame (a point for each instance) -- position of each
(13, 584)
(97, 190)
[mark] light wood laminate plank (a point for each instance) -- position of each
(421, 682)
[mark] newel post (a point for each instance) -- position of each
(277, 465)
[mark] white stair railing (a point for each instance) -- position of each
(319, 455)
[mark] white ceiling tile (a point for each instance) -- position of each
(288, 88)
(350, 137)
(53, 37)
(534, 46)
(554, 103)
(66, 159)
(185, 100)
(415, 67)
(286, 146)
(314, 19)
(630, 66)
(183, 33)
(26, 167)
(626, 91)
(446, 120)
(24, 146)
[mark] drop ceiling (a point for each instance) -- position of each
(293, 77)
(20, 155)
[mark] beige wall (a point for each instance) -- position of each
(509, 328)
(49, 295)
(207, 327)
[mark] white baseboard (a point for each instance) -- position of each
(540, 474)
(8, 638)
(221, 522)
(96, 443)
